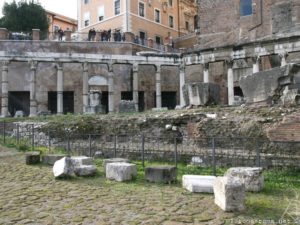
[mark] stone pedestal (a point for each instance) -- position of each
(197, 183)
(121, 171)
(85, 170)
(99, 109)
(161, 174)
(32, 158)
(229, 194)
(35, 34)
(113, 160)
(251, 176)
(51, 159)
(67, 35)
(3, 34)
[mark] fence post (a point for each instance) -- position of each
(213, 156)
(143, 150)
(257, 153)
(90, 146)
(115, 146)
(49, 142)
(4, 131)
(175, 145)
(68, 145)
(18, 134)
(32, 137)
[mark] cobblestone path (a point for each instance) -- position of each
(31, 195)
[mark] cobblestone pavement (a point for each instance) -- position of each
(31, 195)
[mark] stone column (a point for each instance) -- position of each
(36, 34)
(135, 93)
(181, 84)
(256, 64)
(111, 102)
(206, 73)
(158, 86)
(85, 86)
(283, 59)
(4, 94)
(230, 83)
(33, 103)
(60, 88)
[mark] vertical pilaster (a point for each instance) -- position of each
(135, 88)
(33, 103)
(158, 86)
(230, 83)
(60, 85)
(85, 86)
(4, 84)
(111, 102)
(256, 61)
(205, 73)
(283, 57)
(181, 84)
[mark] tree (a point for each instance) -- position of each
(24, 16)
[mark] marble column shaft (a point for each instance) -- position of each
(158, 86)
(135, 93)
(181, 85)
(33, 103)
(230, 84)
(111, 103)
(60, 85)
(4, 85)
(85, 86)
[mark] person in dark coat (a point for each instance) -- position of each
(60, 34)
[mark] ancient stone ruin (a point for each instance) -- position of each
(279, 85)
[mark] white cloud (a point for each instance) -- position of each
(63, 7)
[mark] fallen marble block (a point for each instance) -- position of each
(51, 158)
(63, 167)
(121, 171)
(113, 160)
(251, 176)
(229, 194)
(197, 183)
(85, 170)
(161, 174)
(32, 158)
(82, 160)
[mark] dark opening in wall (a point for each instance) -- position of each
(104, 100)
(128, 95)
(238, 92)
(18, 101)
(68, 102)
(168, 99)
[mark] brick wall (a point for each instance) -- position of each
(221, 23)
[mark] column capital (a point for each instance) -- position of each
(256, 59)
(85, 66)
(229, 63)
(59, 65)
(182, 67)
(283, 55)
(157, 68)
(5, 65)
(135, 67)
(33, 64)
(206, 66)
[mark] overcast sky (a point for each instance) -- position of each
(64, 7)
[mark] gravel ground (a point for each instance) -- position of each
(31, 195)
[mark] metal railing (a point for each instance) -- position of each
(211, 152)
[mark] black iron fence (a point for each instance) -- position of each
(207, 152)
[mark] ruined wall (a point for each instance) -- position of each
(221, 23)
